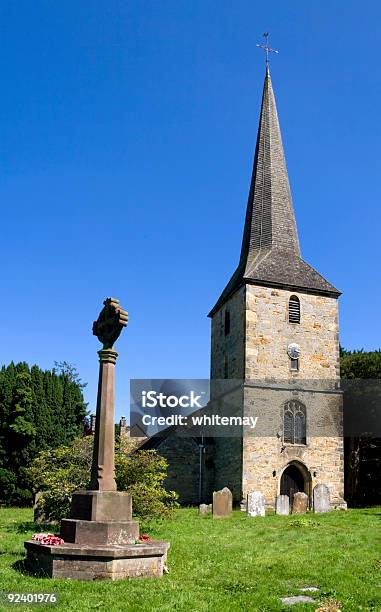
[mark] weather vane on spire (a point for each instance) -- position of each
(267, 49)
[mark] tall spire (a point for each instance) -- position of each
(270, 252)
(270, 221)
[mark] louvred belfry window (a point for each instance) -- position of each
(294, 309)
(294, 423)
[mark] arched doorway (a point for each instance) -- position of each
(295, 478)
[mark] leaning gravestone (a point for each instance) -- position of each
(100, 537)
(282, 505)
(322, 501)
(300, 503)
(222, 503)
(255, 504)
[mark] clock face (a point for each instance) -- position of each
(293, 350)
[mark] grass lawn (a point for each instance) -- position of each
(238, 563)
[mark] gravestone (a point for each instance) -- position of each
(203, 509)
(321, 498)
(300, 503)
(100, 537)
(222, 503)
(282, 505)
(255, 504)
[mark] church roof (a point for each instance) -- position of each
(270, 253)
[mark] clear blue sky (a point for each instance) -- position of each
(127, 132)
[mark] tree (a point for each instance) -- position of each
(361, 372)
(38, 410)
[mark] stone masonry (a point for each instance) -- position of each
(258, 348)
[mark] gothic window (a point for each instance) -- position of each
(294, 423)
(227, 322)
(294, 309)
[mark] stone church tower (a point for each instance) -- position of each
(275, 343)
(275, 329)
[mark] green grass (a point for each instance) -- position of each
(238, 563)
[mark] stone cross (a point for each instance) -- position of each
(107, 328)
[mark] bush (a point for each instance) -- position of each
(61, 471)
(143, 473)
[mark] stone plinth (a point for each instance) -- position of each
(99, 533)
(98, 518)
(96, 562)
(101, 506)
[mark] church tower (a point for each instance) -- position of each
(275, 329)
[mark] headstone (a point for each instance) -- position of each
(322, 501)
(255, 504)
(282, 505)
(222, 503)
(203, 509)
(300, 503)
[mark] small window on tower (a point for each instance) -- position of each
(294, 309)
(227, 322)
(294, 365)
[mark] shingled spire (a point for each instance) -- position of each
(270, 253)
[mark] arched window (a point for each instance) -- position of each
(294, 423)
(294, 309)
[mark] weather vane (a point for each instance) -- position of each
(267, 49)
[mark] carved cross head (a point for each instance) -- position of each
(110, 323)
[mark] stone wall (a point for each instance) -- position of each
(266, 455)
(183, 475)
(268, 333)
(255, 350)
(228, 350)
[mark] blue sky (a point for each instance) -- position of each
(127, 133)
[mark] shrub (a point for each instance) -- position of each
(58, 473)
(61, 471)
(142, 472)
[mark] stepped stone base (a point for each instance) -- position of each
(81, 562)
(101, 506)
(99, 533)
(100, 538)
